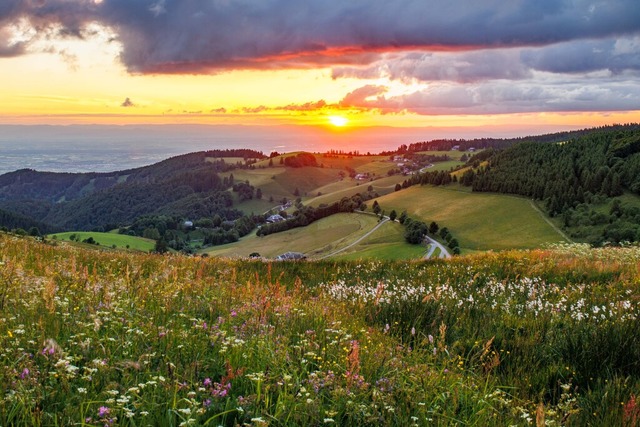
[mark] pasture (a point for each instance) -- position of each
(480, 221)
(120, 241)
(314, 240)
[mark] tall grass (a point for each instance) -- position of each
(92, 338)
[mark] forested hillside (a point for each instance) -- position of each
(500, 143)
(185, 186)
(592, 182)
(10, 220)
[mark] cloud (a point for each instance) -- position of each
(127, 103)
(583, 56)
(502, 97)
(464, 67)
(192, 36)
(307, 106)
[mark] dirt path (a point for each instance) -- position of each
(364, 236)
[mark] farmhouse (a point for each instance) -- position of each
(275, 218)
(291, 256)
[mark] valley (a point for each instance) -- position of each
(218, 203)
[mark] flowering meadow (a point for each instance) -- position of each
(106, 338)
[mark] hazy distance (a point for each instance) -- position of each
(105, 148)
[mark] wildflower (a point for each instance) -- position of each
(25, 373)
(103, 411)
(50, 347)
(328, 420)
(207, 382)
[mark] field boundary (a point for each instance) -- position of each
(548, 221)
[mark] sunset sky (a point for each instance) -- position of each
(413, 63)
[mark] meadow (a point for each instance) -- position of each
(94, 338)
(317, 239)
(480, 221)
(112, 240)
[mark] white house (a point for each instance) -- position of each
(275, 218)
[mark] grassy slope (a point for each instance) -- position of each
(97, 338)
(387, 242)
(480, 221)
(348, 187)
(109, 239)
(279, 182)
(318, 238)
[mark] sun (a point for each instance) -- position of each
(338, 121)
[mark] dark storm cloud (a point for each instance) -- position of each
(195, 36)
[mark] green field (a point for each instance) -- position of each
(278, 182)
(121, 241)
(387, 243)
(349, 187)
(480, 221)
(444, 166)
(317, 239)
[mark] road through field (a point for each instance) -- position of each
(434, 243)
(364, 236)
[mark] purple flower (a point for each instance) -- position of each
(233, 313)
(25, 373)
(103, 411)
(207, 382)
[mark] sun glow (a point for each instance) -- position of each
(338, 121)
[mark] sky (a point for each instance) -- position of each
(511, 66)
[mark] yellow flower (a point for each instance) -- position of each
(10, 334)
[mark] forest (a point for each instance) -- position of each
(591, 183)
(187, 185)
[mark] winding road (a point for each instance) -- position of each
(444, 253)
(434, 243)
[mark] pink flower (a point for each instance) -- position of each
(103, 411)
